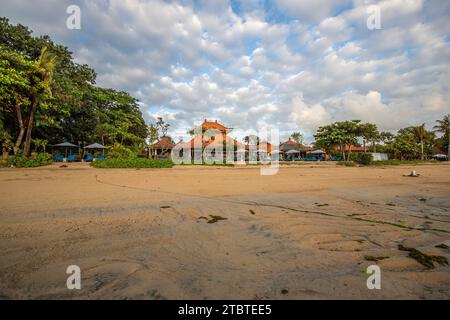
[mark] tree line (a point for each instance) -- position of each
(414, 142)
(46, 98)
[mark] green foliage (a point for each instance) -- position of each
(341, 134)
(396, 162)
(39, 144)
(36, 71)
(404, 145)
(297, 137)
(443, 127)
(364, 158)
(120, 151)
(132, 163)
(21, 161)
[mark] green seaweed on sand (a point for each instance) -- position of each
(213, 218)
(374, 259)
(322, 205)
(442, 246)
(422, 258)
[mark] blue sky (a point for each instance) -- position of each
(290, 64)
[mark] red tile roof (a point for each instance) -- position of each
(163, 143)
(353, 148)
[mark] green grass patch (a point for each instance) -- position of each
(399, 162)
(346, 163)
(132, 163)
(422, 258)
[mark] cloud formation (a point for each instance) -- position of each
(294, 65)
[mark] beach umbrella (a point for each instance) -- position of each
(261, 151)
(317, 152)
(276, 152)
(292, 151)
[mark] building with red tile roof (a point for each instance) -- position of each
(163, 147)
(353, 148)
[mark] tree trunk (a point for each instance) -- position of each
(421, 150)
(27, 146)
(448, 147)
(364, 144)
(21, 129)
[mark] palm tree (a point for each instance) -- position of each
(47, 63)
(420, 133)
(443, 127)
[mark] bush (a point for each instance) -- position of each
(346, 163)
(132, 163)
(119, 151)
(22, 161)
(364, 158)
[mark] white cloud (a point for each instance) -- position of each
(308, 117)
(316, 63)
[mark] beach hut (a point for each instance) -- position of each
(67, 147)
(95, 146)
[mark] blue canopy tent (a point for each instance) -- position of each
(67, 146)
(95, 146)
(317, 155)
(291, 153)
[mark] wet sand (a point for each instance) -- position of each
(305, 233)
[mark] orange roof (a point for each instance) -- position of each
(163, 143)
(353, 148)
(206, 125)
(218, 142)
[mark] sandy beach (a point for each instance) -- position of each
(308, 232)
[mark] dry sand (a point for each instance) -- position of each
(301, 234)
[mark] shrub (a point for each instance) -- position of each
(346, 163)
(364, 158)
(21, 161)
(119, 151)
(132, 163)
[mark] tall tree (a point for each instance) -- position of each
(443, 127)
(420, 132)
(404, 145)
(46, 64)
(369, 132)
(297, 137)
(67, 105)
(386, 136)
(17, 78)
